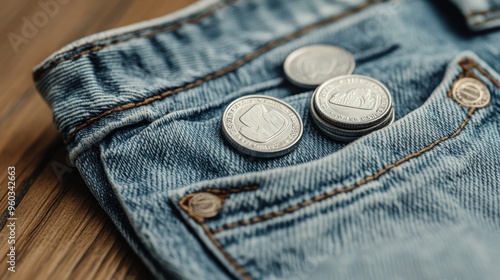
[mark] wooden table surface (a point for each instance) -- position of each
(61, 231)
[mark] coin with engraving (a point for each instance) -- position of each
(353, 102)
(310, 66)
(262, 126)
(470, 92)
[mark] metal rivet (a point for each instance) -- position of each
(471, 92)
(205, 205)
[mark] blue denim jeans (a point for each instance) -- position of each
(140, 109)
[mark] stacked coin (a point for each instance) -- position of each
(344, 106)
(348, 107)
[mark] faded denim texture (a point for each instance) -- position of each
(140, 108)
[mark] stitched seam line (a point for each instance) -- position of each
(484, 13)
(170, 28)
(349, 188)
(228, 257)
(226, 70)
(222, 194)
(480, 13)
(467, 65)
(486, 21)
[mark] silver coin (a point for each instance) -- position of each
(349, 132)
(347, 139)
(262, 126)
(310, 66)
(361, 132)
(339, 138)
(470, 92)
(352, 102)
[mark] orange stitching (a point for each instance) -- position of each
(467, 64)
(41, 73)
(226, 70)
(223, 194)
(479, 13)
(236, 266)
(184, 204)
(482, 13)
(479, 24)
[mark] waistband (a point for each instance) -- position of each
(105, 81)
(134, 74)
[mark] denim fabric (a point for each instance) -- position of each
(141, 107)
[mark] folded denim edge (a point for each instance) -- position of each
(80, 96)
(190, 10)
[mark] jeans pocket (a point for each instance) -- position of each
(384, 205)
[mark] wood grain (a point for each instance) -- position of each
(61, 231)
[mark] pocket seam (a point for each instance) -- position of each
(484, 13)
(466, 64)
(223, 194)
(350, 187)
